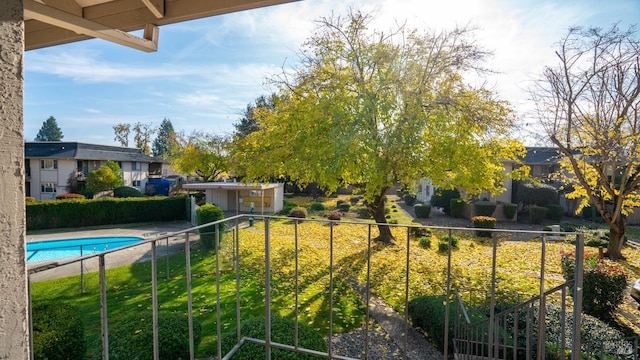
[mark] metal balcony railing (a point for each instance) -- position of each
(227, 258)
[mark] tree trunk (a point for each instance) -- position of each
(376, 208)
(617, 233)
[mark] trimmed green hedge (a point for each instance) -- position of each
(422, 211)
(457, 207)
(132, 337)
(555, 212)
(484, 222)
(205, 214)
(484, 208)
(58, 332)
(106, 211)
(509, 210)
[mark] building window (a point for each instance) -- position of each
(48, 164)
(48, 187)
(135, 166)
(136, 183)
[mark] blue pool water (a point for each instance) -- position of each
(57, 249)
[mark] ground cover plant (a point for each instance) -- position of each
(518, 265)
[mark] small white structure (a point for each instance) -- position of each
(266, 198)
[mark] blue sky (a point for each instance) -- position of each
(205, 72)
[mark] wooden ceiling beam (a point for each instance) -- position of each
(156, 7)
(131, 15)
(62, 19)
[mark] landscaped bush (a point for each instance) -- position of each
(409, 199)
(555, 212)
(132, 337)
(537, 214)
(287, 207)
(419, 232)
(536, 194)
(108, 211)
(205, 214)
(604, 283)
(509, 210)
(595, 335)
(316, 206)
(334, 215)
(354, 200)
(422, 211)
(70, 196)
(425, 241)
(58, 332)
(484, 208)
(282, 331)
(344, 207)
(457, 207)
(29, 199)
(443, 243)
(298, 212)
(126, 191)
(429, 314)
(484, 222)
(442, 199)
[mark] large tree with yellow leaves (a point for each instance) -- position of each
(370, 109)
(589, 104)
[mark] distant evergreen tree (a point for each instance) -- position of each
(249, 123)
(49, 131)
(165, 141)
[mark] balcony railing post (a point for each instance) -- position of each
(330, 289)
(218, 316)
(577, 297)
(187, 254)
(542, 309)
(154, 300)
(267, 285)
(103, 308)
(406, 298)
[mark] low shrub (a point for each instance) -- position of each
(334, 215)
(126, 191)
(58, 332)
(509, 210)
(287, 207)
(409, 199)
(597, 337)
(393, 221)
(443, 243)
(344, 207)
(29, 199)
(555, 212)
(442, 199)
(316, 206)
(429, 314)
(457, 207)
(354, 200)
(604, 283)
(484, 208)
(537, 214)
(484, 222)
(425, 241)
(70, 196)
(205, 214)
(282, 331)
(422, 211)
(132, 337)
(419, 232)
(298, 212)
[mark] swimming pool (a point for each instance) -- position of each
(63, 248)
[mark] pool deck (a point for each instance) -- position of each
(119, 258)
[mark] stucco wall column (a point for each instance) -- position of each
(14, 337)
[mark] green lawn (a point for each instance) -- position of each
(518, 265)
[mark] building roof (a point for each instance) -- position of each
(82, 151)
(542, 155)
(231, 186)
